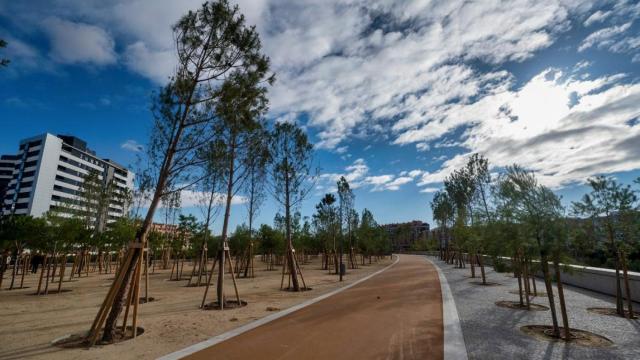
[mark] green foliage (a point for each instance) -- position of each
(271, 240)
(240, 240)
(326, 222)
(122, 232)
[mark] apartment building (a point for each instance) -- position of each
(404, 235)
(49, 170)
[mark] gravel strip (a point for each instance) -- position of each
(491, 332)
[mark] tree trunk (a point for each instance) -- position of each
(516, 262)
(616, 254)
(525, 277)
(627, 289)
(481, 264)
(563, 308)
(290, 251)
(552, 305)
(225, 227)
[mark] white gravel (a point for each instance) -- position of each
(491, 332)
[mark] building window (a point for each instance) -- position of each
(24, 195)
(33, 153)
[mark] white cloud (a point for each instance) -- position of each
(385, 68)
(191, 198)
(405, 71)
(564, 128)
(73, 43)
(132, 145)
(157, 65)
(357, 175)
(429, 189)
(603, 37)
(597, 16)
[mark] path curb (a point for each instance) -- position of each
(267, 319)
(454, 346)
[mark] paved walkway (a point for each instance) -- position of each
(492, 332)
(394, 315)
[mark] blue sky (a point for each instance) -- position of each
(394, 94)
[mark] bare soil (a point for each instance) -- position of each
(488, 283)
(517, 306)
(538, 294)
(578, 337)
(612, 312)
(30, 323)
(79, 341)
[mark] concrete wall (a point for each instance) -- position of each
(600, 280)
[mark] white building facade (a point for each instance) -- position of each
(48, 171)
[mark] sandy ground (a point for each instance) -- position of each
(394, 315)
(29, 323)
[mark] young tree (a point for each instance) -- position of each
(291, 157)
(240, 110)
(210, 42)
(345, 207)
(477, 169)
(611, 205)
(538, 210)
(256, 168)
(209, 200)
(367, 233)
(326, 223)
(443, 210)
(459, 188)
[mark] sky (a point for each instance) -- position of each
(394, 94)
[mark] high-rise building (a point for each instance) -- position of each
(49, 170)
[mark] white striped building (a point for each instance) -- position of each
(49, 169)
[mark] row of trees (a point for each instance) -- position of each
(210, 137)
(210, 134)
(514, 215)
(72, 226)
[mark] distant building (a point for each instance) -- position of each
(49, 169)
(164, 228)
(404, 235)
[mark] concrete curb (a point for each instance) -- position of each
(454, 346)
(267, 319)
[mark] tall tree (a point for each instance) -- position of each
(240, 109)
(210, 43)
(209, 200)
(345, 207)
(477, 169)
(443, 210)
(256, 168)
(326, 223)
(291, 158)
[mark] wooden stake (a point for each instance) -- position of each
(206, 289)
(63, 265)
(233, 278)
(94, 332)
(136, 298)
